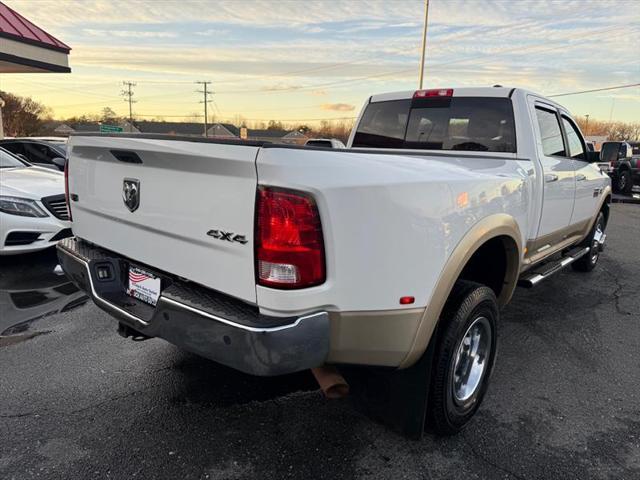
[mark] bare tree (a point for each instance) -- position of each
(23, 116)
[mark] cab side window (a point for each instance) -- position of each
(550, 133)
(574, 139)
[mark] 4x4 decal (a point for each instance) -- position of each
(228, 236)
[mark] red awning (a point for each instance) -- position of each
(25, 47)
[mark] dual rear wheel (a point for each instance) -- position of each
(466, 346)
(464, 357)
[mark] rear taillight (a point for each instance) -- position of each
(288, 242)
(435, 92)
(66, 188)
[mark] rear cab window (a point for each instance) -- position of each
(481, 124)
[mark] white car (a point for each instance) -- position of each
(33, 211)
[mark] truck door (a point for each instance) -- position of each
(588, 177)
(559, 177)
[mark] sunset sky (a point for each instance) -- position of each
(302, 61)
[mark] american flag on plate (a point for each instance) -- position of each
(143, 285)
(135, 277)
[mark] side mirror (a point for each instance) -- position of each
(59, 162)
(593, 157)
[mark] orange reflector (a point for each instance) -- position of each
(463, 199)
(407, 300)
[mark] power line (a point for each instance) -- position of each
(519, 49)
(205, 101)
(128, 97)
(617, 87)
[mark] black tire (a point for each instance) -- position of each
(589, 261)
(625, 182)
(448, 410)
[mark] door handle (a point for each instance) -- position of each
(550, 177)
(580, 177)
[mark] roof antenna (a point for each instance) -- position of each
(497, 86)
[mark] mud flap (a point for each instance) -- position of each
(397, 399)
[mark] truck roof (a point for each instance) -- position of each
(498, 91)
(457, 92)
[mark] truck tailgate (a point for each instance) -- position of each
(185, 190)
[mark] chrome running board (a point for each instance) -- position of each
(531, 278)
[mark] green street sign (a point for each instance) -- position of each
(110, 129)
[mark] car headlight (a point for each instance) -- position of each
(21, 206)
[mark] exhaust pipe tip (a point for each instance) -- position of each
(332, 384)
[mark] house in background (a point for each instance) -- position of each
(290, 137)
(65, 129)
(190, 129)
(223, 130)
(170, 128)
(227, 130)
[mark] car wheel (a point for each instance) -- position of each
(464, 357)
(625, 185)
(588, 262)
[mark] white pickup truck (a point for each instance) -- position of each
(273, 258)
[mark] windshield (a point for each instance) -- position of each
(9, 161)
(481, 124)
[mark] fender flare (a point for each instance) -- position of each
(498, 225)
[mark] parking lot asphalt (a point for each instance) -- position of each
(79, 402)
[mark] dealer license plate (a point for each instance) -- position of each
(143, 285)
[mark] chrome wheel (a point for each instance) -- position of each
(622, 182)
(471, 360)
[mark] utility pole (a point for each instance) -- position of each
(1, 127)
(205, 100)
(424, 41)
(586, 127)
(128, 97)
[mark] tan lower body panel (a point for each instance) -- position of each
(542, 247)
(397, 338)
(373, 338)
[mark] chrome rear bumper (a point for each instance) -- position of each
(200, 320)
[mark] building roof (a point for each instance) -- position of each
(174, 128)
(232, 128)
(266, 133)
(15, 27)
(85, 127)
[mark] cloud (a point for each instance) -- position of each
(338, 107)
(127, 33)
(347, 49)
(212, 32)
